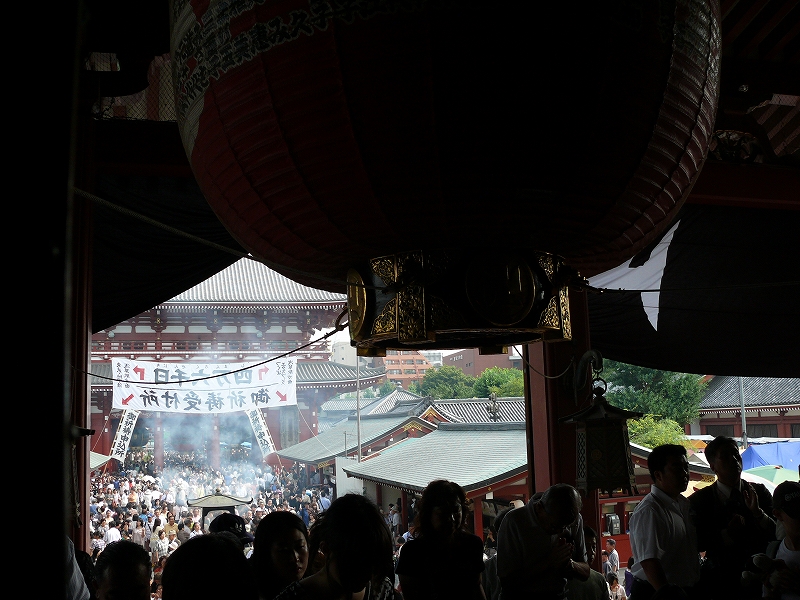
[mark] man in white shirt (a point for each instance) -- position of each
(662, 535)
(786, 508)
(113, 534)
(395, 515)
(613, 555)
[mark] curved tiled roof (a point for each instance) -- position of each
(487, 453)
(723, 392)
(371, 406)
(252, 282)
(325, 371)
(342, 437)
(310, 373)
(325, 424)
(474, 410)
(342, 404)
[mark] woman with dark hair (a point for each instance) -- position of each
(442, 560)
(280, 553)
(351, 550)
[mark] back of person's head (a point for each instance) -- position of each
(232, 523)
(439, 493)
(353, 533)
(122, 570)
(718, 443)
(274, 531)
(660, 455)
(562, 501)
(630, 562)
(208, 567)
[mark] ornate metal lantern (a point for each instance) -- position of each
(438, 300)
(603, 446)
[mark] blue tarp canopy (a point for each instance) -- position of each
(785, 454)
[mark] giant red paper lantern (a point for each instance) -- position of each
(328, 134)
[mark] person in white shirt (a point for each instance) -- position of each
(786, 508)
(662, 535)
(613, 555)
(113, 534)
(395, 516)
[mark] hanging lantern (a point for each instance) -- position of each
(329, 135)
(437, 300)
(603, 446)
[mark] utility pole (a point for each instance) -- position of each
(744, 421)
(358, 405)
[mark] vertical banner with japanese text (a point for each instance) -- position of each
(122, 438)
(256, 418)
(203, 388)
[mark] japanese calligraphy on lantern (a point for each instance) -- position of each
(203, 388)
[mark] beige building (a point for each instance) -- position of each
(405, 366)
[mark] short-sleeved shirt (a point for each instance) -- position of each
(661, 528)
(443, 574)
(522, 544)
(613, 560)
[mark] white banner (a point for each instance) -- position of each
(122, 439)
(261, 430)
(203, 388)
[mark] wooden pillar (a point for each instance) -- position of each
(77, 273)
(477, 516)
(549, 374)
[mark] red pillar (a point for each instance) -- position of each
(549, 397)
(477, 516)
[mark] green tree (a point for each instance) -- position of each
(651, 431)
(446, 382)
(368, 393)
(387, 387)
(505, 383)
(666, 394)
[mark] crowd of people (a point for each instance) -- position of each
(733, 541)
